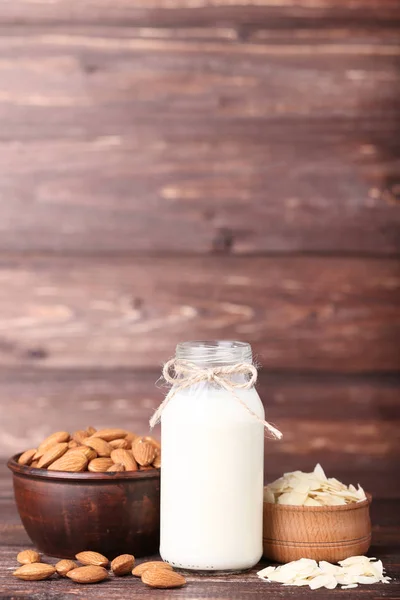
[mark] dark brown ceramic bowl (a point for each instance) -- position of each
(112, 513)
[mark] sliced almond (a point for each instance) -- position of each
(27, 457)
(125, 458)
(88, 574)
(88, 557)
(99, 445)
(34, 572)
(26, 557)
(52, 454)
(100, 465)
(123, 564)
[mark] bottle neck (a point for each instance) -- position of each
(215, 353)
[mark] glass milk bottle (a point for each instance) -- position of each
(212, 465)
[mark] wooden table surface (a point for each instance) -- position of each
(386, 546)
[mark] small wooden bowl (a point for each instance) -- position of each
(111, 513)
(329, 533)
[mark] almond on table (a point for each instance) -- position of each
(157, 564)
(123, 564)
(162, 578)
(34, 571)
(88, 557)
(26, 557)
(88, 574)
(64, 566)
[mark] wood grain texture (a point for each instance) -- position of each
(13, 538)
(293, 532)
(299, 313)
(201, 12)
(348, 423)
(214, 193)
(130, 140)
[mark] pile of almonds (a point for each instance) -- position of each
(156, 574)
(94, 450)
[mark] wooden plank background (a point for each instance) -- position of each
(208, 169)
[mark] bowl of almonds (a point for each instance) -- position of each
(97, 489)
(308, 515)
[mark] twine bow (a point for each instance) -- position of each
(182, 374)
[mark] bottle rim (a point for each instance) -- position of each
(214, 352)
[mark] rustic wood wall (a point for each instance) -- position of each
(174, 169)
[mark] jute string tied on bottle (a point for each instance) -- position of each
(182, 374)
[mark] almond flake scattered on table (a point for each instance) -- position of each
(311, 489)
(348, 573)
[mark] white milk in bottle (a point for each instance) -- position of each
(212, 463)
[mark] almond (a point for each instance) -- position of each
(27, 457)
(34, 464)
(99, 445)
(92, 558)
(120, 443)
(124, 457)
(80, 435)
(91, 430)
(64, 566)
(54, 438)
(100, 465)
(88, 574)
(153, 441)
(52, 454)
(144, 452)
(110, 434)
(157, 460)
(73, 444)
(27, 557)
(122, 565)
(71, 461)
(88, 452)
(131, 437)
(148, 468)
(116, 468)
(162, 578)
(151, 564)
(34, 571)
